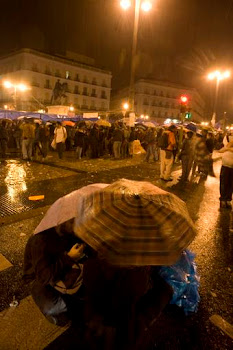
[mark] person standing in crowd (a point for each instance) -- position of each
(93, 141)
(44, 134)
(150, 139)
(167, 144)
(3, 139)
(17, 134)
(132, 138)
(60, 136)
(187, 156)
(28, 136)
(226, 176)
(79, 142)
(117, 142)
(210, 147)
(201, 156)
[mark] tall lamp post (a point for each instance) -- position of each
(146, 6)
(218, 76)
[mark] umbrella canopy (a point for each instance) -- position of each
(67, 207)
(149, 124)
(102, 122)
(135, 223)
(68, 123)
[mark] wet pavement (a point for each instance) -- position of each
(213, 245)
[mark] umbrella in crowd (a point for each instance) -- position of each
(68, 123)
(102, 122)
(135, 223)
(149, 124)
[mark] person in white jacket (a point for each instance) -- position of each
(226, 176)
(60, 136)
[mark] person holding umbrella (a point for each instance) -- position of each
(130, 228)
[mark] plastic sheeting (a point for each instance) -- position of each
(184, 280)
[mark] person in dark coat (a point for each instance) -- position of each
(79, 138)
(122, 301)
(117, 139)
(51, 267)
(3, 138)
(93, 140)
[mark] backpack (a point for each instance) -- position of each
(163, 141)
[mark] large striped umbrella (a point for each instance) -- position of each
(135, 223)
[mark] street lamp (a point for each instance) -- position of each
(17, 87)
(218, 76)
(146, 6)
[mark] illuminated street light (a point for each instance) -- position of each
(71, 108)
(219, 76)
(146, 6)
(126, 105)
(7, 84)
(147, 117)
(17, 87)
(125, 4)
(5, 106)
(142, 116)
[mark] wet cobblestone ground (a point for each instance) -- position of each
(213, 245)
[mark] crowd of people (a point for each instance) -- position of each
(194, 148)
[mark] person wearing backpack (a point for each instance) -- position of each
(167, 143)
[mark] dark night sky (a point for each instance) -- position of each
(178, 41)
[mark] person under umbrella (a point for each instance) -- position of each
(131, 226)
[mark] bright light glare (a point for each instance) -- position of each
(184, 99)
(147, 117)
(211, 76)
(71, 108)
(146, 6)
(227, 74)
(5, 106)
(125, 4)
(126, 105)
(142, 116)
(219, 75)
(7, 84)
(22, 87)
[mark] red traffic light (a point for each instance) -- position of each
(183, 99)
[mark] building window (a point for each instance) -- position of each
(77, 77)
(146, 91)
(161, 93)
(47, 84)
(76, 89)
(67, 74)
(103, 94)
(155, 92)
(168, 95)
(145, 102)
(165, 114)
(93, 93)
(85, 91)
(85, 80)
(159, 114)
(84, 102)
(93, 104)
(160, 104)
(57, 73)
(94, 82)
(104, 83)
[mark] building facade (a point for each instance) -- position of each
(88, 87)
(160, 100)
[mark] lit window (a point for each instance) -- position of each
(67, 74)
